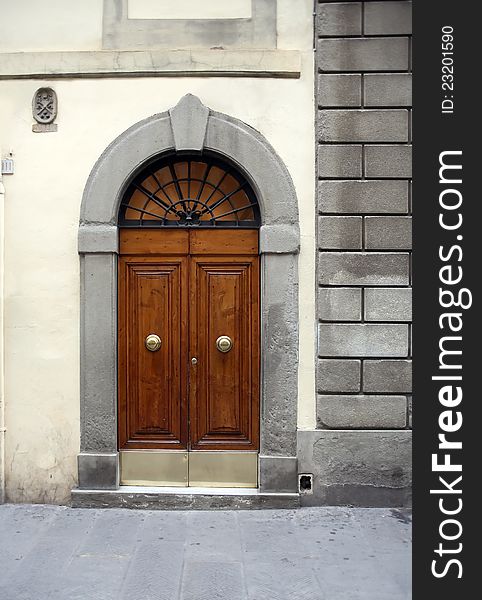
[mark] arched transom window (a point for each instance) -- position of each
(189, 191)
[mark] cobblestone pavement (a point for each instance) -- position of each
(52, 552)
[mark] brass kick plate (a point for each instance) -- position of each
(155, 468)
(223, 469)
(194, 469)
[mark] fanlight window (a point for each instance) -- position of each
(193, 191)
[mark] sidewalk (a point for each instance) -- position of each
(59, 553)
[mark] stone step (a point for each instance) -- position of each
(182, 498)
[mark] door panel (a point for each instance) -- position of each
(154, 241)
(223, 387)
(189, 286)
(152, 394)
(223, 241)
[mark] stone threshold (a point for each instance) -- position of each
(182, 498)
(151, 63)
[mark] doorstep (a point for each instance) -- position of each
(182, 498)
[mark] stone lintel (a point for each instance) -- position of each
(150, 63)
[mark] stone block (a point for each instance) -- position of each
(280, 381)
(361, 412)
(189, 119)
(339, 304)
(338, 375)
(358, 468)
(362, 54)
(278, 474)
(362, 125)
(98, 239)
(388, 89)
(363, 197)
(340, 233)
(388, 18)
(279, 239)
(363, 268)
(98, 386)
(388, 304)
(339, 19)
(98, 471)
(150, 500)
(339, 161)
(387, 376)
(388, 161)
(362, 339)
(388, 233)
(339, 90)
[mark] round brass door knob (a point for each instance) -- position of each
(153, 342)
(224, 343)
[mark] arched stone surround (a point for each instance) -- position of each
(190, 126)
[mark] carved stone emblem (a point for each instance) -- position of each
(44, 105)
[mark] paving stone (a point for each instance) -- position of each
(280, 580)
(55, 545)
(255, 530)
(207, 536)
(123, 554)
(22, 526)
(212, 581)
(153, 570)
(367, 582)
(101, 561)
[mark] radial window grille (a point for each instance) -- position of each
(193, 191)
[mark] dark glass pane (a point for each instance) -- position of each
(189, 192)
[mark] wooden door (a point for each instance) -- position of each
(189, 287)
(152, 391)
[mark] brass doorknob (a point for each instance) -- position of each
(153, 342)
(224, 343)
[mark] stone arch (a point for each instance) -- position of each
(189, 126)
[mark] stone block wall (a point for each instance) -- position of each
(363, 128)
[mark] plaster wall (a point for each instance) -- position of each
(68, 25)
(188, 9)
(41, 258)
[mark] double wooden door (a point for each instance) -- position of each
(188, 340)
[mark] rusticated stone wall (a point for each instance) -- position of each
(363, 138)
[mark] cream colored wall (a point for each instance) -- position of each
(41, 260)
(188, 9)
(2, 391)
(38, 25)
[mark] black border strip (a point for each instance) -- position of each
(437, 132)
